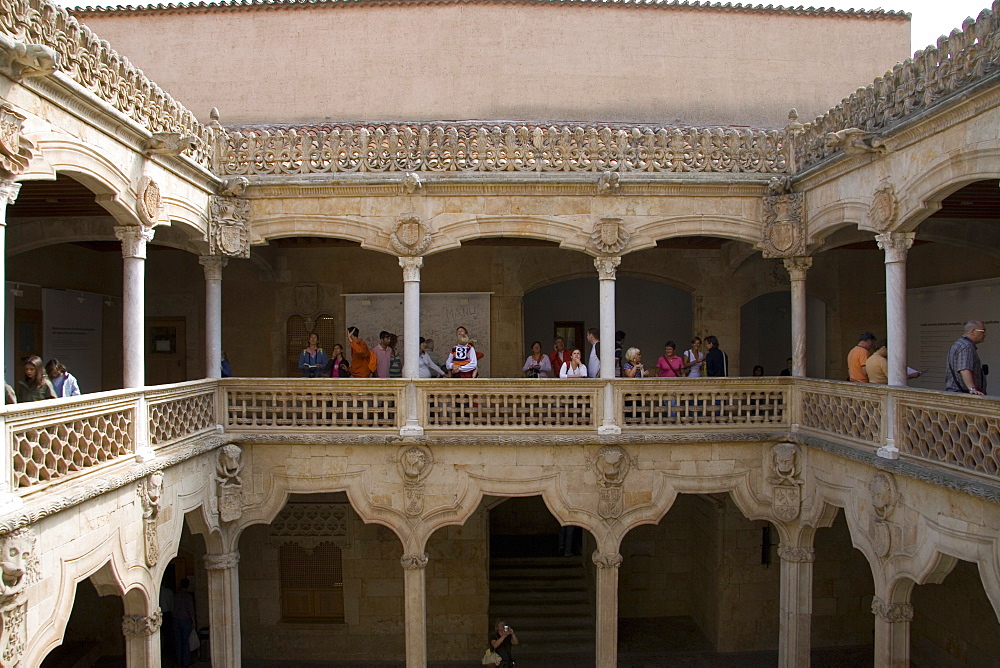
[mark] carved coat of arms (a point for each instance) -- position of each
(229, 232)
(610, 236)
(883, 210)
(14, 149)
(149, 203)
(411, 236)
(784, 230)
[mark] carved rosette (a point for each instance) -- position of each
(229, 226)
(611, 464)
(150, 492)
(892, 613)
(411, 268)
(784, 231)
(15, 150)
(884, 208)
(221, 562)
(229, 482)
(142, 625)
(607, 267)
(607, 559)
(414, 463)
(610, 236)
(411, 236)
(798, 555)
(895, 245)
(134, 240)
(785, 475)
(149, 202)
(413, 562)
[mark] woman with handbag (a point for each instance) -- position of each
(502, 641)
(538, 364)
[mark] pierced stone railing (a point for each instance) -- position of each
(720, 402)
(930, 77)
(847, 410)
(498, 148)
(180, 411)
(550, 404)
(92, 63)
(311, 404)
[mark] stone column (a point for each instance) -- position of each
(8, 193)
(142, 640)
(892, 633)
(224, 607)
(895, 245)
(213, 265)
(607, 606)
(411, 340)
(415, 608)
(606, 269)
(797, 268)
(134, 239)
(796, 606)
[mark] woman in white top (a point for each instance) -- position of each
(694, 359)
(537, 365)
(574, 368)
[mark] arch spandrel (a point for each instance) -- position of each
(708, 224)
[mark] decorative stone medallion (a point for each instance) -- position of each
(411, 236)
(414, 462)
(610, 236)
(14, 149)
(611, 464)
(229, 226)
(229, 482)
(149, 203)
(884, 209)
(884, 498)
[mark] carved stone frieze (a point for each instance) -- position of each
(413, 562)
(884, 208)
(892, 612)
(611, 464)
(797, 555)
(414, 463)
(309, 524)
(607, 267)
(149, 203)
(610, 236)
(411, 268)
(142, 625)
(785, 470)
(150, 492)
(229, 226)
(411, 236)
(170, 143)
(607, 559)
(21, 60)
(15, 149)
(229, 482)
(784, 230)
(221, 562)
(134, 239)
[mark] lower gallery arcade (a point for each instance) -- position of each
(398, 551)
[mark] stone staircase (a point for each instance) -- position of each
(547, 602)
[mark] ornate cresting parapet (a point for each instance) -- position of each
(40, 38)
(500, 148)
(932, 75)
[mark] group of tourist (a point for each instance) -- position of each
(868, 362)
(383, 359)
(39, 382)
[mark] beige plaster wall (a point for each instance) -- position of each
(501, 61)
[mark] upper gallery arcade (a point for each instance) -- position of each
(780, 178)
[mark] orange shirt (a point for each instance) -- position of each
(360, 359)
(856, 364)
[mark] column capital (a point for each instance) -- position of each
(142, 625)
(411, 265)
(8, 193)
(797, 266)
(796, 555)
(413, 562)
(606, 559)
(607, 266)
(213, 265)
(895, 245)
(134, 239)
(892, 612)
(222, 562)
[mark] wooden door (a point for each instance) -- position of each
(166, 350)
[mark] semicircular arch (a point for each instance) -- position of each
(922, 195)
(734, 228)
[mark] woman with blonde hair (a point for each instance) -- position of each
(34, 386)
(632, 366)
(694, 359)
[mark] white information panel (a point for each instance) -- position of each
(440, 314)
(72, 333)
(936, 317)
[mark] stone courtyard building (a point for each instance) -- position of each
(183, 180)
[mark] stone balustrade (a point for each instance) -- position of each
(60, 439)
(508, 148)
(953, 66)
